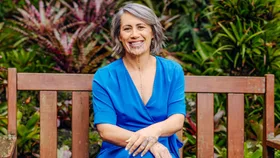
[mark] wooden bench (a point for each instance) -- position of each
(205, 87)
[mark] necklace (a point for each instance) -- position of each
(140, 76)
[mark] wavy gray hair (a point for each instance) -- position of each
(148, 16)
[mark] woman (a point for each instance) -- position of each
(138, 100)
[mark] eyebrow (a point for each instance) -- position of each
(136, 24)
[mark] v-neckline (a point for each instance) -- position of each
(134, 86)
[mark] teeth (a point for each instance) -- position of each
(136, 44)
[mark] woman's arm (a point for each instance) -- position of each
(114, 134)
(118, 136)
(105, 116)
(145, 138)
(169, 126)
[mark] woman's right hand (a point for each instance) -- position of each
(160, 151)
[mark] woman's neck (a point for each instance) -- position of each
(137, 62)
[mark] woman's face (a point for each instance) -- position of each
(135, 35)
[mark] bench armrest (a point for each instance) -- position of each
(9, 146)
(273, 143)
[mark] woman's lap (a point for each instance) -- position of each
(121, 153)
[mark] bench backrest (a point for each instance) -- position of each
(81, 85)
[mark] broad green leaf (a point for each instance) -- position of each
(3, 130)
(223, 48)
(20, 41)
(236, 59)
(192, 70)
(209, 70)
(257, 51)
(227, 32)
(201, 50)
(228, 57)
(254, 35)
(190, 139)
(33, 121)
(191, 58)
(243, 50)
(32, 134)
(216, 38)
(239, 27)
(21, 130)
(235, 31)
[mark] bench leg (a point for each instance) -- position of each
(15, 153)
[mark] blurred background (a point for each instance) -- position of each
(207, 37)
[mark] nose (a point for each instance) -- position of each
(134, 33)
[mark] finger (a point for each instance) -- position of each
(136, 145)
(141, 147)
(149, 145)
(131, 141)
(128, 140)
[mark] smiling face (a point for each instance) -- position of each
(135, 35)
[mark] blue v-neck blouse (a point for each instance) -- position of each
(116, 101)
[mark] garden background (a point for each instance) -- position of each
(207, 37)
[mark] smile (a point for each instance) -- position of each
(136, 44)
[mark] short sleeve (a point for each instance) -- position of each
(176, 101)
(104, 111)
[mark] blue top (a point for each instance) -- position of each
(116, 101)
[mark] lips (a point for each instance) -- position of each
(136, 43)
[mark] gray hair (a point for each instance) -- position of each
(148, 16)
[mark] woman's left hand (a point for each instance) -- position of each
(143, 140)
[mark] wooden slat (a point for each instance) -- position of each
(80, 124)
(83, 82)
(12, 104)
(268, 113)
(54, 82)
(205, 125)
(235, 126)
(224, 84)
(180, 136)
(48, 124)
(12, 101)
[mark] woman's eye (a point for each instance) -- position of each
(126, 29)
(141, 27)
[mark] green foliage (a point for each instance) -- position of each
(28, 134)
(252, 149)
(8, 7)
(3, 118)
(71, 34)
(190, 25)
(26, 61)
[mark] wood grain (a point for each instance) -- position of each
(224, 84)
(205, 125)
(268, 123)
(80, 124)
(55, 82)
(235, 126)
(48, 124)
(12, 101)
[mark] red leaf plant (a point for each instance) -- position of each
(68, 31)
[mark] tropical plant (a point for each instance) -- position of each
(28, 135)
(73, 35)
(244, 37)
